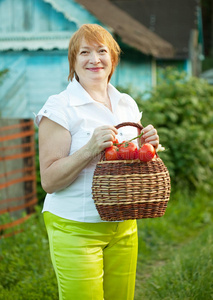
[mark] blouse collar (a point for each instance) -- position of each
(79, 96)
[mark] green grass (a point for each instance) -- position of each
(188, 274)
(25, 269)
(175, 258)
(176, 252)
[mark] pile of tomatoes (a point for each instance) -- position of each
(128, 151)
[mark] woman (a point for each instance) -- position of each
(92, 259)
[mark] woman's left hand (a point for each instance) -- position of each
(150, 136)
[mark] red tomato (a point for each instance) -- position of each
(115, 142)
(146, 152)
(127, 151)
(120, 144)
(136, 154)
(111, 153)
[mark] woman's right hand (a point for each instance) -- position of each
(102, 138)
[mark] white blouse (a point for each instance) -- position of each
(75, 110)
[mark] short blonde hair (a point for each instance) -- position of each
(92, 33)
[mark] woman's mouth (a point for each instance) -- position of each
(94, 69)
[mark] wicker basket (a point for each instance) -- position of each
(130, 189)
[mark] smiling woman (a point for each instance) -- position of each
(92, 259)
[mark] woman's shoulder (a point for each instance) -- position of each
(116, 94)
(58, 100)
(55, 108)
(127, 96)
(132, 105)
(128, 99)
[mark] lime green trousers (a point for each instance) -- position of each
(93, 261)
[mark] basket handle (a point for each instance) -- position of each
(137, 125)
(129, 124)
(119, 126)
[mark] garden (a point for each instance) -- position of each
(175, 252)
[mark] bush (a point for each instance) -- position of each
(182, 111)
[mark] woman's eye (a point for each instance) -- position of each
(103, 50)
(84, 52)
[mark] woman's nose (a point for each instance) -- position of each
(94, 57)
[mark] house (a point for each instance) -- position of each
(177, 22)
(34, 37)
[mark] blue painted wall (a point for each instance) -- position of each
(32, 78)
(31, 16)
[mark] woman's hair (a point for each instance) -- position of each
(92, 33)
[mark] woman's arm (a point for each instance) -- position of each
(58, 169)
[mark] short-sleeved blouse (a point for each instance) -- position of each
(75, 110)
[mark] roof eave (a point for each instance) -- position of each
(130, 31)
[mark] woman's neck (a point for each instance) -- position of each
(98, 91)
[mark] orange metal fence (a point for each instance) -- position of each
(17, 173)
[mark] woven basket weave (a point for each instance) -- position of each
(130, 189)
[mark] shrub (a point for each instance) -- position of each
(182, 111)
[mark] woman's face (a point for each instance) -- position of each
(93, 63)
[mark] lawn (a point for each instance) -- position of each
(176, 251)
(175, 255)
